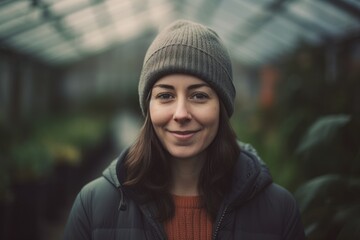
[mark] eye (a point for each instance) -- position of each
(200, 96)
(164, 96)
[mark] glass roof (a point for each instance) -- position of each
(63, 31)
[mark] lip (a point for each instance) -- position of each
(183, 135)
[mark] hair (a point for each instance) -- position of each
(147, 158)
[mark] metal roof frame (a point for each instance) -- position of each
(63, 31)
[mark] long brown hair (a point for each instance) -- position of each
(148, 168)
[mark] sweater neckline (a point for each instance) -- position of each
(187, 201)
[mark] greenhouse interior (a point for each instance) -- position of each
(69, 73)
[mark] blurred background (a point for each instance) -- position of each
(68, 99)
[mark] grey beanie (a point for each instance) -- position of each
(189, 48)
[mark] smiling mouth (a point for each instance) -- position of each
(184, 135)
(184, 132)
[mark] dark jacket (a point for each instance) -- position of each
(255, 209)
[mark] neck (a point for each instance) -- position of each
(186, 174)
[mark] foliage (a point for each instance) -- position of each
(330, 202)
(331, 146)
(80, 131)
(322, 131)
(31, 151)
(269, 145)
(30, 160)
(310, 138)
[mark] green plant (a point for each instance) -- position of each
(329, 204)
(31, 160)
(329, 157)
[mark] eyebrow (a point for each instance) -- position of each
(194, 86)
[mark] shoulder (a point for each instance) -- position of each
(90, 209)
(98, 197)
(273, 211)
(273, 199)
(99, 184)
(285, 211)
(279, 198)
(278, 192)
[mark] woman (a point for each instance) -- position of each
(186, 176)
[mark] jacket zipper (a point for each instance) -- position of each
(219, 223)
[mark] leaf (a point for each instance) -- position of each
(328, 204)
(322, 131)
(331, 189)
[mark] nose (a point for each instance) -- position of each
(181, 113)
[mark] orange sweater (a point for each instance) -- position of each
(191, 221)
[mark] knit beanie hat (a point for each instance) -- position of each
(185, 47)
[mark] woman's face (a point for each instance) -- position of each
(184, 111)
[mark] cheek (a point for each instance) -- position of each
(210, 116)
(213, 121)
(158, 115)
(213, 125)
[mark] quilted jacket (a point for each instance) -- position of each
(256, 208)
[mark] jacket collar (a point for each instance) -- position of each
(115, 172)
(250, 177)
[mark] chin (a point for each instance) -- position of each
(183, 153)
